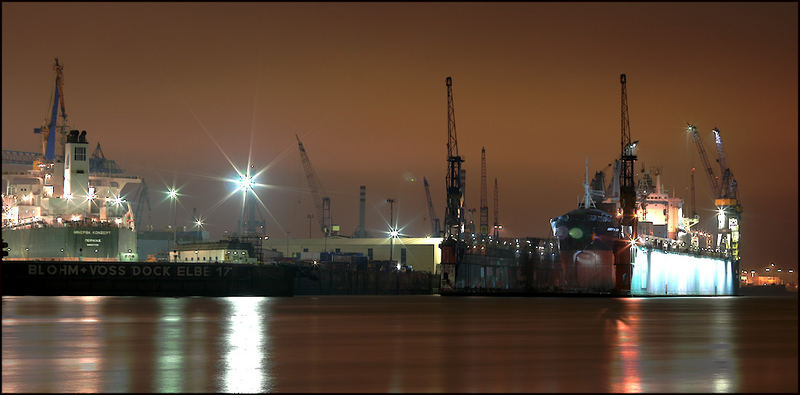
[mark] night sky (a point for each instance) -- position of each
(166, 88)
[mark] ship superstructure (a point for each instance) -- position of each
(64, 208)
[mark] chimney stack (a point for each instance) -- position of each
(361, 231)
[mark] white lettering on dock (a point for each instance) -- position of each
(121, 270)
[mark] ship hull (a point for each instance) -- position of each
(71, 243)
(666, 273)
(145, 279)
(541, 272)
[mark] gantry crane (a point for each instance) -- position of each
(483, 230)
(435, 232)
(322, 204)
(98, 163)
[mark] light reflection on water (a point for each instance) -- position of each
(398, 344)
(627, 349)
(247, 358)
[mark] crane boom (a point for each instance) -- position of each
(431, 212)
(727, 188)
(48, 130)
(315, 186)
(703, 157)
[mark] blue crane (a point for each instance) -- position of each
(49, 130)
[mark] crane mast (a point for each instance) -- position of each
(497, 226)
(694, 205)
(454, 215)
(484, 221)
(322, 204)
(624, 245)
(452, 246)
(627, 160)
(431, 213)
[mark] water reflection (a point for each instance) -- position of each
(169, 346)
(247, 358)
(721, 334)
(398, 344)
(626, 355)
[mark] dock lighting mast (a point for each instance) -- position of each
(172, 194)
(392, 229)
(453, 246)
(484, 225)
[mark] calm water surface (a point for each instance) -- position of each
(399, 344)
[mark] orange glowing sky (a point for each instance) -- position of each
(363, 85)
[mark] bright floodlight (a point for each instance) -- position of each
(394, 233)
(172, 194)
(198, 223)
(246, 183)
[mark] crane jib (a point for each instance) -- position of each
(50, 152)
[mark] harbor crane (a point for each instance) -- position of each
(50, 127)
(435, 232)
(483, 230)
(725, 192)
(142, 201)
(98, 163)
(627, 160)
(454, 214)
(729, 209)
(725, 195)
(728, 187)
(452, 247)
(712, 179)
(627, 198)
(322, 204)
(497, 226)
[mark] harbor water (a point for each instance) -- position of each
(415, 343)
